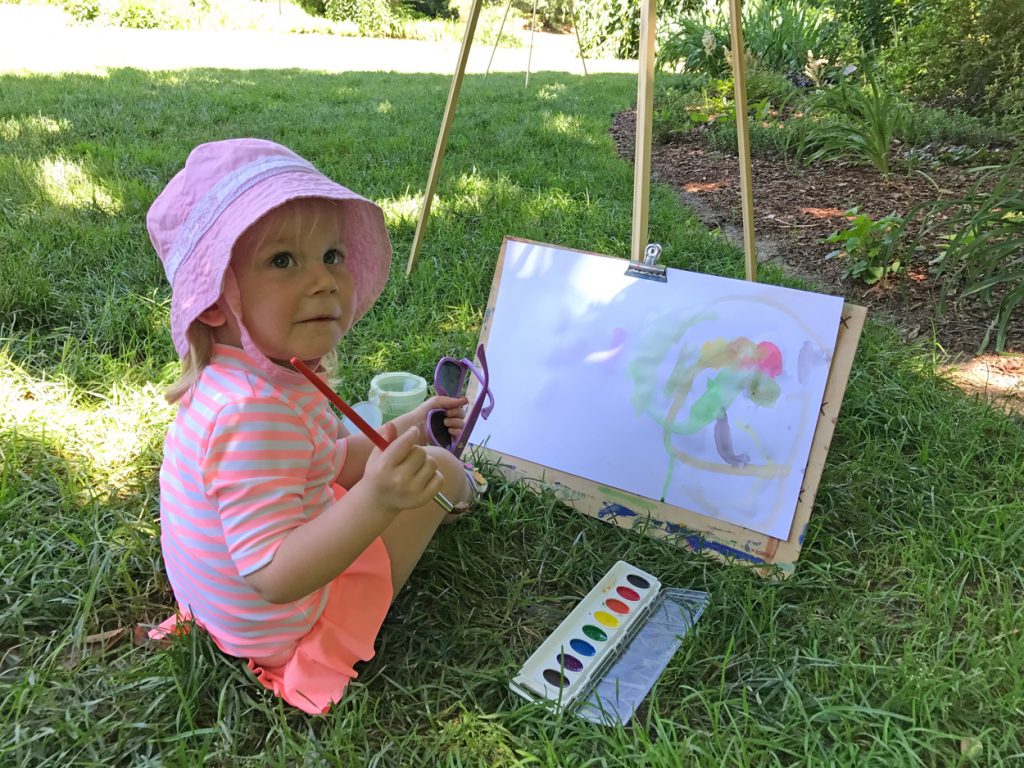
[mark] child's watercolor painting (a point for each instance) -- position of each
(702, 392)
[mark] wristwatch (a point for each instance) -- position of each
(477, 485)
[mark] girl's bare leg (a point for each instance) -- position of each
(411, 531)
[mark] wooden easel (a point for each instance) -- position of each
(769, 556)
(533, 29)
(765, 555)
(644, 113)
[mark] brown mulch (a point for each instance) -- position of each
(796, 207)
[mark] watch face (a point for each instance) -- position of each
(478, 480)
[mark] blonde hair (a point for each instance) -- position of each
(302, 214)
(200, 349)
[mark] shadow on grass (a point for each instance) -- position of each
(86, 156)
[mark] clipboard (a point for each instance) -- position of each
(767, 555)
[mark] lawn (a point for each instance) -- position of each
(897, 641)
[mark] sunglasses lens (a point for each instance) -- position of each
(438, 430)
(448, 380)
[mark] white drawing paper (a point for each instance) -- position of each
(702, 392)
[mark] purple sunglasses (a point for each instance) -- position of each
(451, 377)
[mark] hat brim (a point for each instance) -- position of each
(199, 280)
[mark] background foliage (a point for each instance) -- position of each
(962, 53)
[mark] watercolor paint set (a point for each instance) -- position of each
(606, 655)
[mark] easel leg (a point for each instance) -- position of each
(498, 38)
(644, 115)
(529, 58)
(739, 80)
(579, 43)
(442, 139)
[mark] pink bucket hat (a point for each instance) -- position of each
(224, 188)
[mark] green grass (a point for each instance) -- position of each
(897, 642)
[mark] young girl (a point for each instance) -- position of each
(283, 537)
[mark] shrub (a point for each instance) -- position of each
(142, 14)
(962, 53)
(191, 14)
(873, 22)
(981, 241)
(434, 9)
(313, 7)
(553, 15)
(82, 10)
(1005, 93)
(697, 42)
(956, 127)
(678, 109)
(782, 35)
(612, 27)
(375, 18)
(134, 14)
(773, 86)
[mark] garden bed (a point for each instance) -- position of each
(796, 207)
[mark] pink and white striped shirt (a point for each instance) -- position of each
(246, 460)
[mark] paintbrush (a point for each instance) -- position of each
(375, 437)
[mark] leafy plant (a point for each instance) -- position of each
(677, 111)
(956, 128)
(554, 15)
(778, 35)
(858, 123)
(868, 245)
(981, 237)
(773, 86)
(1006, 91)
(680, 108)
(698, 42)
(763, 130)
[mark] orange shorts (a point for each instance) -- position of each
(321, 666)
(318, 672)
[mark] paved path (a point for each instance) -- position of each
(41, 39)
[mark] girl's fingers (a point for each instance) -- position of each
(404, 443)
(426, 473)
(415, 461)
(434, 484)
(389, 432)
(448, 403)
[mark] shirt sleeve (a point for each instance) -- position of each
(255, 469)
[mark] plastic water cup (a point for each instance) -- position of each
(397, 392)
(371, 415)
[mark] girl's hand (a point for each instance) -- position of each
(455, 412)
(455, 416)
(404, 476)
